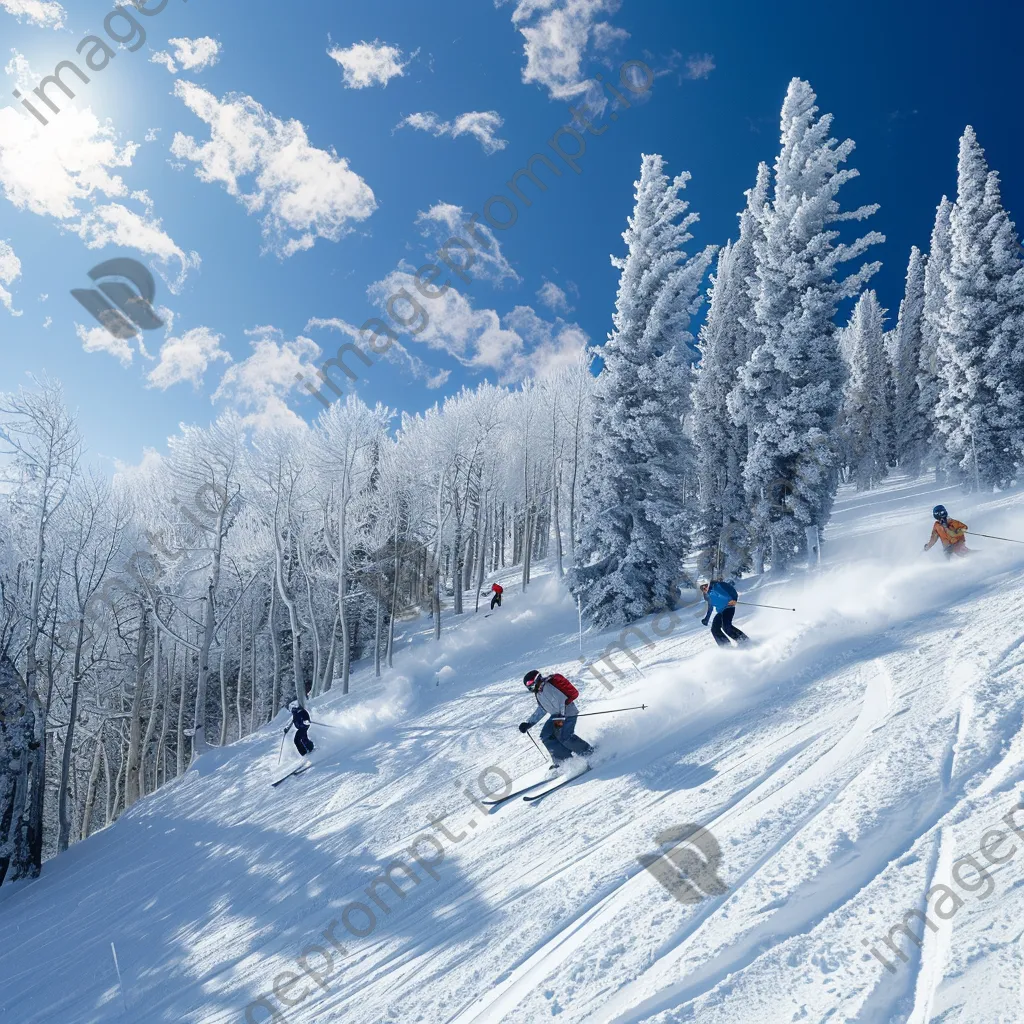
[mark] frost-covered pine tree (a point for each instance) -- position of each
(790, 390)
(634, 533)
(928, 384)
(865, 413)
(726, 341)
(980, 343)
(911, 428)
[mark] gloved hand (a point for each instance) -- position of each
(558, 722)
(925, 547)
(704, 621)
(524, 726)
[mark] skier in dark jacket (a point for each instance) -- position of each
(300, 719)
(721, 598)
(497, 590)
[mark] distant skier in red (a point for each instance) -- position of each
(497, 590)
(556, 697)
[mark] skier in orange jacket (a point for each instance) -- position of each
(951, 532)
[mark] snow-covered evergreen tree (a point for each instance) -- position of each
(635, 527)
(981, 330)
(865, 414)
(928, 384)
(726, 341)
(911, 428)
(791, 388)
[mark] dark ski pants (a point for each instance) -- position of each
(562, 741)
(303, 744)
(496, 600)
(722, 627)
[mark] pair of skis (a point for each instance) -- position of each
(550, 785)
(303, 766)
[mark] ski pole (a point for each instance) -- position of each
(281, 751)
(777, 607)
(613, 711)
(539, 751)
(988, 536)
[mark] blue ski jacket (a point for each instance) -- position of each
(719, 595)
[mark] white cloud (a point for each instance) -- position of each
(48, 323)
(190, 54)
(64, 169)
(482, 124)
(559, 35)
(396, 353)
(554, 298)
(365, 64)
(187, 358)
(699, 65)
(444, 221)
(260, 384)
(305, 193)
(10, 270)
(550, 346)
(519, 345)
(44, 13)
(99, 339)
(114, 224)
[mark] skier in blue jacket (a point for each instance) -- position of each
(721, 598)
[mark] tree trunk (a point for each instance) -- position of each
(346, 640)
(147, 739)
(555, 482)
(206, 641)
(223, 694)
(63, 812)
(275, 687)
(133, 761)
(480, 561)
(94, 776)
(179, 747)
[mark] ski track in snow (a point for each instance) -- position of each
(844, 764)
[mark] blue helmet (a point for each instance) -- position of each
(940, 512)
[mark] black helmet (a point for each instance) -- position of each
(940, 512)
(531, 679)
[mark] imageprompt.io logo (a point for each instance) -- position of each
(123, 311)
(688, 875)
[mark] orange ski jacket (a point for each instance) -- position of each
(950, 533)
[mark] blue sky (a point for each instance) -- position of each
(901, 79)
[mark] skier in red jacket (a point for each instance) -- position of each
(556, 697)
(498, 590)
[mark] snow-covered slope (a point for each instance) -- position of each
(845, 766)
